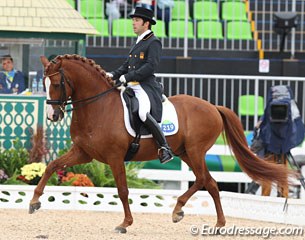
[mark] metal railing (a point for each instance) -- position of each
(225, 89)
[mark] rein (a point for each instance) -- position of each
(62, 102)
(93, 98)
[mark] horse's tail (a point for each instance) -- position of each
(257, 168)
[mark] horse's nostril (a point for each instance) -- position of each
(55, 117)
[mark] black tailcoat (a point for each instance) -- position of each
(140, 66)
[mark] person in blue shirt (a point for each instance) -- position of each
(11, 80)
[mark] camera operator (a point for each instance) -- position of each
(278, 131)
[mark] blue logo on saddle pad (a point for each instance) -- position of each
(167, 126)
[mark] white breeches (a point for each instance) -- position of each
(144, 103)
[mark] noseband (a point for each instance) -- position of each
(63, 101)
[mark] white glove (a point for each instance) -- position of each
(121, 88)
(108, 74)
(122, 79)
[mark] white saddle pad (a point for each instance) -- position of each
(169, 121)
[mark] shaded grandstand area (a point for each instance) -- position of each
(208, 20)
(212, 45)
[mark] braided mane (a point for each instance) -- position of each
(86, 61)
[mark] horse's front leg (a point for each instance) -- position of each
(118, 171)
(71, 158)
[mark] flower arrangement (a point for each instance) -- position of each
(3, 176)
(31, 173)
(77, 180)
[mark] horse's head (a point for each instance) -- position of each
(58, 88)
(64, 73)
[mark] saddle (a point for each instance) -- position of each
(136, 128)
(132, 105)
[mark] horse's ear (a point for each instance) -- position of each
(44, 61)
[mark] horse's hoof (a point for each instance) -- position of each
(220, 223)
(177, 217)
(218, 226)
(34, 207)
(120, 230)
(217, 232)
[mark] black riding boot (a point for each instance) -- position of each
(165, 153)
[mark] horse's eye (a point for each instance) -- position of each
(56, 85)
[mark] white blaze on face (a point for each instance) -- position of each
(49, 110)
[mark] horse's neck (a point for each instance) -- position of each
(101, 115)
(91, 84)
(87, 81)
(88, 88)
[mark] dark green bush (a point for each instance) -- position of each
(13, 159)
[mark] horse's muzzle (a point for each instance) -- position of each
(57, 115)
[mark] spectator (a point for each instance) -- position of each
(191, 8)
(118, 8)
(11, 80)
(149, 4)
(164, 8)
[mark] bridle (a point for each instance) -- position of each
(63, 101)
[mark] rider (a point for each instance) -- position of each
(138, 73)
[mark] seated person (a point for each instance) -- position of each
(11, 80)
(164, 8)
(149, 4)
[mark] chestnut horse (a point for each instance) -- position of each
(98, 132)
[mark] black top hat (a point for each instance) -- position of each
(144, 13)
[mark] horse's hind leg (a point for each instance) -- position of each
(71, 158)
(203, 179)
(178, 213)
(212, 188)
